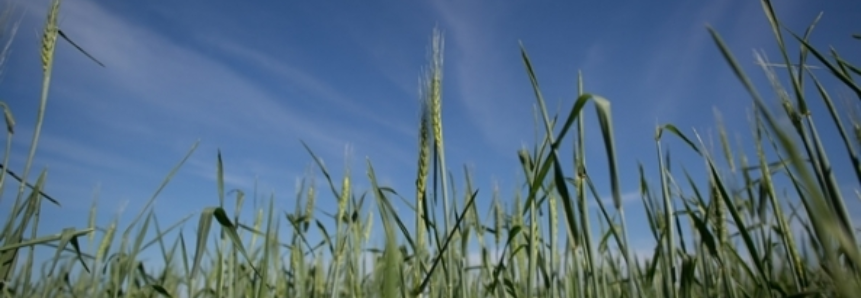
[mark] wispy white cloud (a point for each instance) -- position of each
(678, 57)
(319, 89)
(175, 94)
(64, 148)
(175, 86)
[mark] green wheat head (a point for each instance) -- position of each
(421, 185)
(49, 36)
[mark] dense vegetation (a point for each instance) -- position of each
(713, 240)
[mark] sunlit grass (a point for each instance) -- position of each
(712, 240)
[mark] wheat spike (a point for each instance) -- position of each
(49, 36)
(436, 90)
(421, 182)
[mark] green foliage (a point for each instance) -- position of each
(712, 240)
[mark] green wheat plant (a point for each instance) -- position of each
(730, 230)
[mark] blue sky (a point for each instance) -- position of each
(255, 78)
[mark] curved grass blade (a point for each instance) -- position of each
(203, 227)
(9, 258)
(445, 245)
(63, 35)
(18, 178)
(222, 218)
(835, 70)
(69, 235)
(161, 290)
(161, 187)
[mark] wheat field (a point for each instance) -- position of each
(714, 241)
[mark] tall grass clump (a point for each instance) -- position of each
(731, 230)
